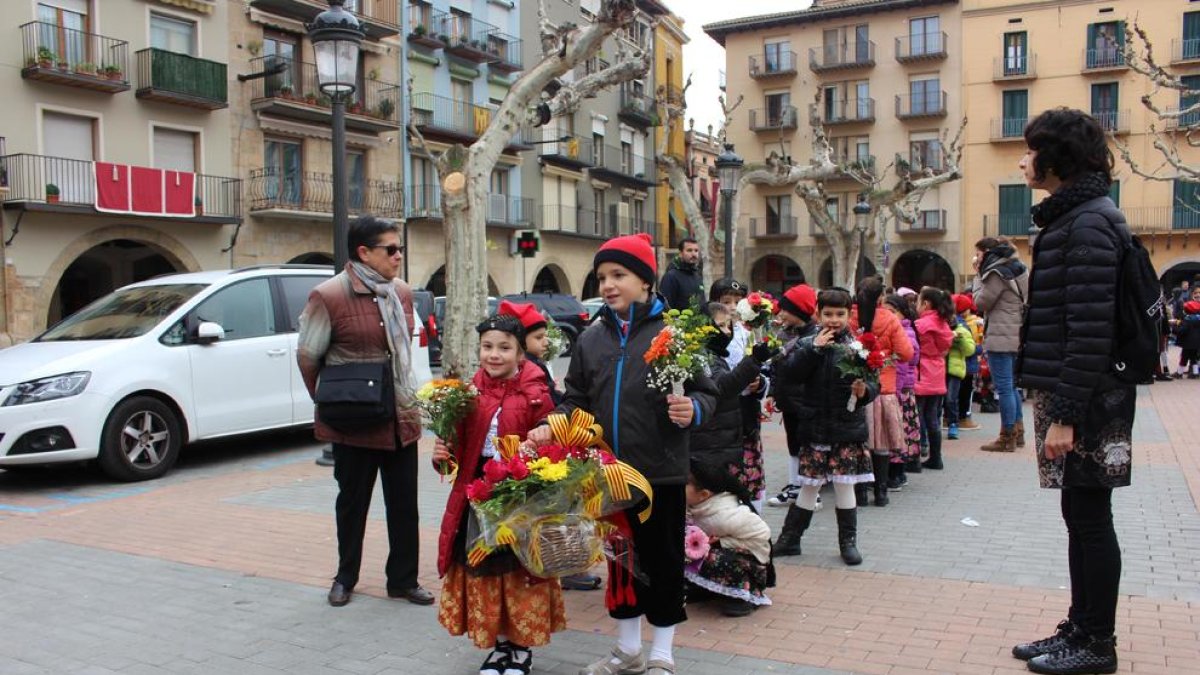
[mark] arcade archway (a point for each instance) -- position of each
(775, 274)
(865, 269)
(919, 268)
(103, 269)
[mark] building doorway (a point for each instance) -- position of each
(103, 269)
(775, 274)
(866, 268)
(550, 279)
(916, 269)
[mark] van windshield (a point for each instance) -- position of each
(126, 313)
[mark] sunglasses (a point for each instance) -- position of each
(392, 249)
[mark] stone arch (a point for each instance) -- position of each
(775, 274)
(312, 258)
(591, 287)
(551, 279)
(866, 267)
(175, 253)
(437, 283)
(919, 267)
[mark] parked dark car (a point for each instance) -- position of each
(439, 312)
(567, 311)
(423, 302)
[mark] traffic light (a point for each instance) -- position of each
(528, 244)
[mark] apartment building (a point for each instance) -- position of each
(669, 40)
(889, 75)
(115, 160)
(1029, 56)
(462, 56)
(593, 174)
(281, 128)
(701, 149)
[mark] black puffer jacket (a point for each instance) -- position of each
(607, 378)
(1067, 339)
(785, 391)
(820, 408)
(721, 434)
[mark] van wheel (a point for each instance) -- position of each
(570, 339)
(141, 440)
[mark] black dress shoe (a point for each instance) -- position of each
(339, 595)
(1028, 650)
(735, 607)
(416, 595)
(1081, 655)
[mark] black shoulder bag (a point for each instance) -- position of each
(354, 396)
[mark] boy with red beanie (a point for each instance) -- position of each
(649, 431)
(796, 309)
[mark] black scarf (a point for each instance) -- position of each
(1002, 259)
(1088, 186)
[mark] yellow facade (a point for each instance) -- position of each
(669, 39)
(1068, 61)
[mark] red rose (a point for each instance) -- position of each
(555, 453)
(607, 458)
(754, 299)
(479, 490)
(518, 469)
(495, 471)
(868, 340)
(875, 360)
(774, 306)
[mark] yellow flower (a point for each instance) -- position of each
(539, 464)
(553, 472)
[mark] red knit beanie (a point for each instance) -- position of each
(526, 312)
(800, 300)
(963, 302)
(634, 252)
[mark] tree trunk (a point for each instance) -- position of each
(463, 213)
(681, 189)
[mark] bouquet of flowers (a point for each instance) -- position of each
(679, 352)
(548, 504)
(757, 310)
(556, 341)
(444, 403)
(861, 359)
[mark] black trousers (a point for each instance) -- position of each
(354, 469)
(965, 393)
(659, 558)
(1094, 557)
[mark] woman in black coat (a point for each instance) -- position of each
(1083, 415)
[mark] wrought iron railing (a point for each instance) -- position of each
(622, 160)
(774, 226)
(1104, 58)
(639, 107)
(298, 83)
(1009, 128)
(765, 119)
(774, 63)
(834, 57)
(928, 220)
(573, 149)
(929, 104)
(274, 187)
(51, 46)
(846, 110)
(1186, 49)
(1113, 121)
(1015, 67)
(424, 201)
(921, 46)
(505, 210)
(163, 71)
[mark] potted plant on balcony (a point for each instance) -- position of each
(51, 193)
(114, 73)
(385, 108)
(86, 68)
(419, 30)
(285, 91)
(310, 98)
(45, 58)
(64, 65)
(355, 108)
(324, 101)
(199, 204)
(444, 38)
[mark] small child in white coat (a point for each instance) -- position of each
(737, 563)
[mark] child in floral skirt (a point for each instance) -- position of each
(906, 380)
(729, 544)
(498, 603)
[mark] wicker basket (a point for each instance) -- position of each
(561, 546)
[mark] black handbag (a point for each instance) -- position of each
(354, 396)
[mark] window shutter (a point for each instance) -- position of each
(174, 149)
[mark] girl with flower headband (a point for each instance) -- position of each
(498, 604)
(832, 435)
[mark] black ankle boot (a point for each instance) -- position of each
(881, 465)
(847, 521)
(1081, 655)
(1028, 650)
(794, 525)
(862, 494)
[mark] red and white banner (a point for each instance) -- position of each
(143, 191)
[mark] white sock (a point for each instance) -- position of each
(629, 636)
(794, 475)
(844, 493)
(660, 647)
(808, 497)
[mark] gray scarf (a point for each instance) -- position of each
(398, 336)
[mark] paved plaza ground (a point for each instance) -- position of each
(222, 567)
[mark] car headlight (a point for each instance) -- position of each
(48, 388)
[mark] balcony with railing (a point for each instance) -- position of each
(928, 221)
(774, 119)
(923, 157)
(847, 111)
(507, 211)
(181, 79)
(1104, 59)
(571, 219)
(295, 94)
(423, 201)
(851, 165)
(458, 120)
(638, 109)
(849, 56)
(468, 39)
(507, 50)
(1007, 224)
(917, 106)
(379, 18)
(427, 26)
(921, 47)
(273, 191)
(1014, 68)
(1176, 119)
(3, 166)
(74, 58)
(573, 152)
(1008, 129)
(774, 227)
(619, 163)
(1115, 122)
(1185, 50)
(778, 64)
(39, 182)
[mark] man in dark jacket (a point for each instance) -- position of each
(362, 315)
(683, 283)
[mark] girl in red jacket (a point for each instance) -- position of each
(935, 336)
(498, 604)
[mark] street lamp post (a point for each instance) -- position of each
(862, 215)
(336, 36)
(729, 172)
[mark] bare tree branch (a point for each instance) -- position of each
(438, 158)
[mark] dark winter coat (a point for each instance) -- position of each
(820, 409)
(523, 401)
(608, 377)
(787, 392)
(1189, 333)
(1067, 340)
(722, 433)
(682, 285)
